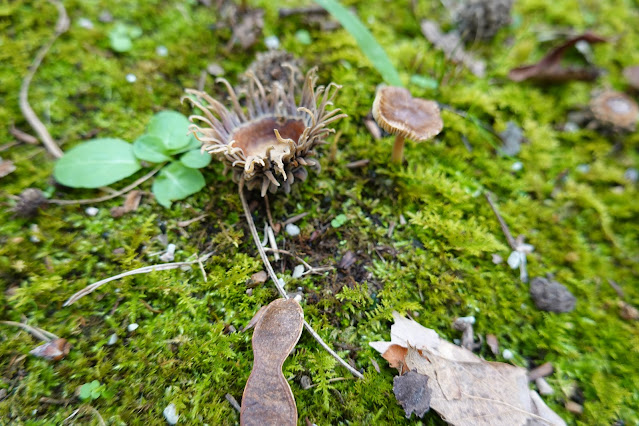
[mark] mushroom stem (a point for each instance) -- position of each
(398, 149)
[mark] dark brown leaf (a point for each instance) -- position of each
(267, 397)
(549, 68)
(54, 350)
(411, 391)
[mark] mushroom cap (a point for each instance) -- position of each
(615, 109)
(632, 76)
(397, 112)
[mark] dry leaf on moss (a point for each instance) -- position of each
(467, 390)
(549, 68)
(267, 397)
(412, 392)
(54, 350)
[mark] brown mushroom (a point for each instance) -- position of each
(397, 112)
(632, 76)
(615, 110)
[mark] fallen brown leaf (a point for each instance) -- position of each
(467, 390)
(549, 68)
(267, 397)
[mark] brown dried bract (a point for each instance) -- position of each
(550, 70)
(267, 397)
(54, 350)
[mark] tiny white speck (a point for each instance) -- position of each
(517, 166)
(583, 168)
(468, 319)
(161, 51)
(91, 211)
(507, 354)
(632, 175)
(169, 256)
(131, 78)
(85, 23)
(112, 339)
(292, 230)
(170, 414)
(298, 271)
(132, 327)
(272, 42)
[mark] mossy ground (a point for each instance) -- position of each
(436, 267)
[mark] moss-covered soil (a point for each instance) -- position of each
(570, 199)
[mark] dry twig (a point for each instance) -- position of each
(144, 270)
(61, 26)
(36, 332)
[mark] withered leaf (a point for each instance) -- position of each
(467, 390)
(267, 397)
(54, 350)
(412, 392)
(6, 167)
(549, 68)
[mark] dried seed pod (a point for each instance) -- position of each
(31, 199)
(267, 397)
(275, 138)
(54, 350)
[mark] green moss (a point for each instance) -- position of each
(437, 266)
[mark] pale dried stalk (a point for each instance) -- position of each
(61, 26)
(110, 196)
(280, 289)
(144, 270)
(38, 333)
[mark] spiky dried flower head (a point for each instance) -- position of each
(270, 144)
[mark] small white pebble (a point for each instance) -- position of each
(469, 319)
(571, 127)
(517, 166)
(169, 255)
(497, 259)
(272, 42)
(298, 271)
(632, 175)
(85, 23)
(583, 168)
(543, 386)
(91, 211)
(292, 230)
(298, 298)
(507, 354)
(170, 414)
(112, 339)
(132, 327)
(131, 78)
(161, 51)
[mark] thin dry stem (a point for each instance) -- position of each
(144, 270)
(504, 227)
(280, 289)
(61, 26)
(36, 332)
(112, 195)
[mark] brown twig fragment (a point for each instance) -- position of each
(36, 332)
(61, 26)
(504, 227)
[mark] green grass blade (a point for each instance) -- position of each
(373, 51)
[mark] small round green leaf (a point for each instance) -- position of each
(96, 163)
(150, 148)
(176, 182)
(120, 42)
(196, 159)
(173, 128)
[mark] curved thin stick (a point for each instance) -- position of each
(145, 269)
(61, 26)
(110, 196)
(280, 289)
